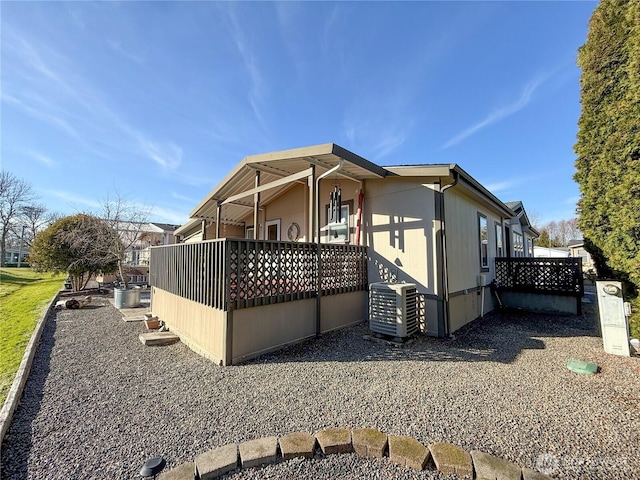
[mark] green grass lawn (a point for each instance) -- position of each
(24, 294)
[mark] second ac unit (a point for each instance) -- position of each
(393, 309)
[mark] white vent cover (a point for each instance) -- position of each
(392, 309)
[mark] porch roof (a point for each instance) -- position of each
(237, 188)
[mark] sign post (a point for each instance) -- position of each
(613, 321)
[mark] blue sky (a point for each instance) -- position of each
(161, 99)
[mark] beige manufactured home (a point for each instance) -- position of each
(284, 248)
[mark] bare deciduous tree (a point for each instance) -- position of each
(35, 218)
(559, 234)
(15, 194)
(128, 220)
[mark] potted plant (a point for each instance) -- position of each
(151, 321)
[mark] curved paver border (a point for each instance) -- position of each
(15, 393)
(406, 451)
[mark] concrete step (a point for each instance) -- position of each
(158, 338)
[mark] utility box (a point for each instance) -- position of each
(613, 321)
(393, 309)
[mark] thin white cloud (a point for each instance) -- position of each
(257, 86)
(377, 127)
(169, 156)
(184, 198)
(160, 214)
(389, 143)
(119, 49)
(92, 122)
(74, 200)
(41, 114)
(44, 159)
(32, 58)
(501, 186)
(499, 114)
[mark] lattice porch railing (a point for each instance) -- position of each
(344, 269)
(262, 272)
(246, 273)
(555, 276)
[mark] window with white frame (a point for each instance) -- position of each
(483, 234)
(518, 245)
(530, 247)
(339, 232)
(499, 244)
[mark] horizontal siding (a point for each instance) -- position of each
(401, 247)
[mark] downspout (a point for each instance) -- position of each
(319, 253)
(443, 240)
(359, 215)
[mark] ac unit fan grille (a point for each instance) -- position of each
(393, 309)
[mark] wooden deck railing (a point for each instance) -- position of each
(241, 273)
(195, 271)
(555, 276)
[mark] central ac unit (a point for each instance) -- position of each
(392, 309)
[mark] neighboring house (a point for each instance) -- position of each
(431, 225)
(149, 235)
(136, 262)
(577, 250)
(520, 232)
(11, 255)
(192, 231)
(550, 252)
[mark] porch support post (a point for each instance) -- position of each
(256, 208)
(312, 216)
(228, 305)
(316, 222)
(218, 220)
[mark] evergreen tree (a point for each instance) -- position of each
(608, 146)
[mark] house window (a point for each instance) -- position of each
(499, 247)
(518, 245)
(339, 232)
(530, 247)
(483, 232)
(249, 233)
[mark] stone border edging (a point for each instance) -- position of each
(19, 381)
(366, 442)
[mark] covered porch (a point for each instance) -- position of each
(287, 195)
(278, 258)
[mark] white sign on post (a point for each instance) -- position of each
(613, 322)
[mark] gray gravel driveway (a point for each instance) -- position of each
(98, 403)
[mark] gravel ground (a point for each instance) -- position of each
(98, 403)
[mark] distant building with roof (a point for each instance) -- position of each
(576, 249)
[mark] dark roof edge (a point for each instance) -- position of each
(481, 189)
(359, 161)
